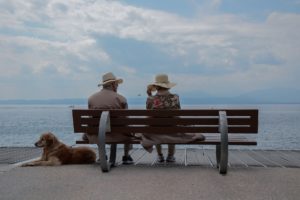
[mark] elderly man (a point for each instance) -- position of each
(108, 98)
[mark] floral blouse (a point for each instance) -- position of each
(168, 101)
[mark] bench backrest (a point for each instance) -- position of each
(166, 121)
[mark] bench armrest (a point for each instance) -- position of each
(104, 126)
(222, 149)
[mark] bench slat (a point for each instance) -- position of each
(210, 140)
(161, 113)
(169, 121)
(206, 142)
(167, 129)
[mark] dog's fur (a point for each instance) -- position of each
(57, 153)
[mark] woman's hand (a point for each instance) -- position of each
(149, 91)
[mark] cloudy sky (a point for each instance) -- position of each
(60, 49)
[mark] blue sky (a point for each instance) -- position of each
(60, 49)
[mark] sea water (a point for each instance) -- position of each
(21, 125)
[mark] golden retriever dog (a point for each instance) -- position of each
(57, 153)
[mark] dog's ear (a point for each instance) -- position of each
(49, 141)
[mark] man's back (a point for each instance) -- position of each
(107, 99)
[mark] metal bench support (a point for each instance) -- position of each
(113, 154)
(222, 149)
(104, 126)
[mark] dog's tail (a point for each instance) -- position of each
(90, 157)
(83, 155)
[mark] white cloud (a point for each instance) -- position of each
(62, 36)
(39, 55)
(231, 84)
(128, 70)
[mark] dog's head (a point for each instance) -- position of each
(46, 140)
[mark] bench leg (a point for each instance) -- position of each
(112, 157)
(223, 149)
(218, 154)
(104, 125)
(102, 157)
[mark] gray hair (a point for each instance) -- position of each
(109, 86)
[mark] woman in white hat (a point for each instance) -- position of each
(164, 99)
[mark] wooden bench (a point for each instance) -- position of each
(221, 127)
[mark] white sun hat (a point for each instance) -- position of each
(108, 78)
(161, 80)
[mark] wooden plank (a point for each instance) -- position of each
(242, 112)
(234, 161)
(275, 158)
(165, 121)
(89, 121)
(162, 130)
(195, 156)
(177, 129)
(250, 129)
(139, 157)
(183, 112)
(295, 154)
(147, 158)
(207, 142)
(212, 139)
(201, 159)
(167, 129)
(164, 113)
(180, 155)
(244, 157)
(82, 142)
(191, 156)
(159, 121)
(87, 112)
(211, 156)
(136, 154)
(239, 121)
(257, 155)
(290, 157)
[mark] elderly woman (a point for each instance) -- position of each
(164, 99)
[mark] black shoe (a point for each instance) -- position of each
(85, 138)
(127, 160)
(160, 158)
(171, 158)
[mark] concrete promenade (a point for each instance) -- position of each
(148, 180)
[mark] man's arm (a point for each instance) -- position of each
(125, 105)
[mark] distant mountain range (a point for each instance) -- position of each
(270, 96)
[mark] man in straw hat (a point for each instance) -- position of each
(163, 99)
(108, 98)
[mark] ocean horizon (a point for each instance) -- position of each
(21, 125)
(140, 100)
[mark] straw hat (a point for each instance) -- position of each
(161, 80)
(109, 78)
